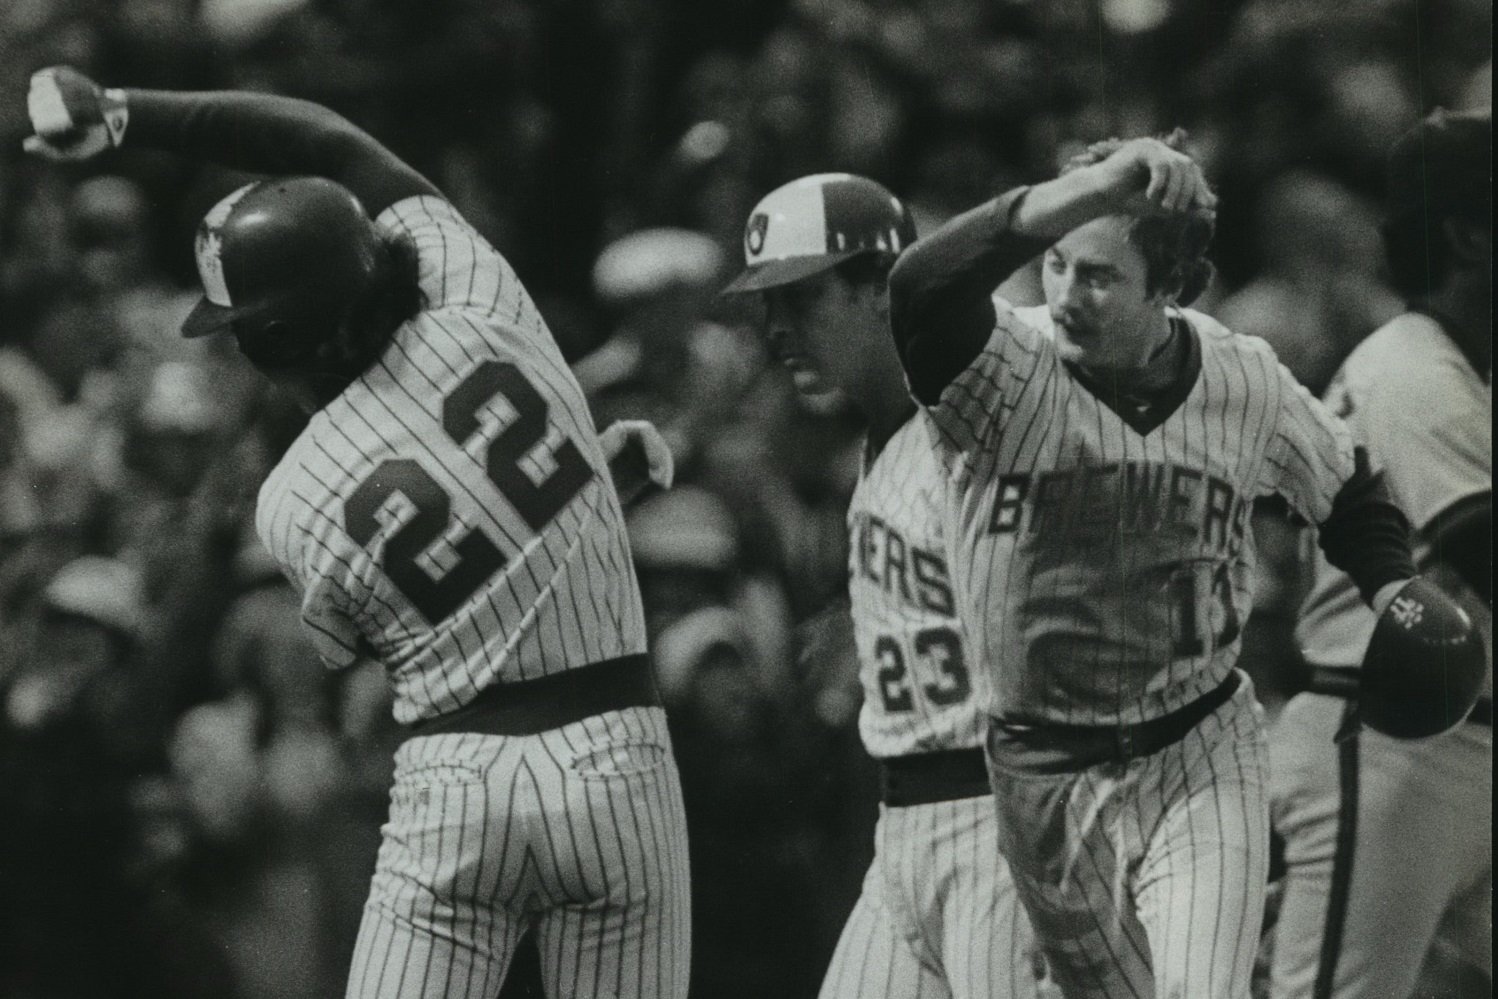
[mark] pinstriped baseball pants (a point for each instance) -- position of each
(1146, 879)
(938, 917)
(578, 831)
(1388, 848)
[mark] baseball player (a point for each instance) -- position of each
(447, 512)
(1388, 841)
(1102, 453)
(938, 916)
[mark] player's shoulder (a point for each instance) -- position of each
(421, 212)
(1025, 327)
(1407, 340)
(1222, 346)
(1216, 337)
(909, 455)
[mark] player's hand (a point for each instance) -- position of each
(638, 457)
(1151, 178)
(73, 117)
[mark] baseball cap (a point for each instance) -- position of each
(100, 589)
(295, 247)
(814, 223)
(651, 261)
(1443, 166)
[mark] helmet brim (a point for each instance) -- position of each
(785, 270)
(207, 318)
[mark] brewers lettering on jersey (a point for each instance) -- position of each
(447, 511)
(1101, 453)
(938, 915)
(1389, 842)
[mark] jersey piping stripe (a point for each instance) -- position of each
(1342, 864)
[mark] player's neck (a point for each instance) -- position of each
(885, 403)
(1155, 366)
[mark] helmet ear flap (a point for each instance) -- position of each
(274, 343)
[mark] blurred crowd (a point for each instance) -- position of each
(192, 803)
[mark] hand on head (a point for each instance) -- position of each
(1149, 176)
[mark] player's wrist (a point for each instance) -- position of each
(1385, 595)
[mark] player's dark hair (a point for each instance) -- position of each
(1174, 246)
(392, 297)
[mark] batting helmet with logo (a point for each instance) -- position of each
(814, 223)
(291, 253)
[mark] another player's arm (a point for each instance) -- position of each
(261, 133)
(1460, 539)
(941, 306)
(1313, 463)
(1439, 476)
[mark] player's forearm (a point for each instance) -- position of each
(1366, 535)
(1049, 211)
(269, 134)
(941, 289)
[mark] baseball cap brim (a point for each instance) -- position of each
(207, 318)
(785, 270)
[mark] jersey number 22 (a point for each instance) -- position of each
(477, 556)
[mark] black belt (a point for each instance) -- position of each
(1346, 681)
(1079, 746)
(923, 778)
(531, 706)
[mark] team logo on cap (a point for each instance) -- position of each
(208, 247)
(754, 234)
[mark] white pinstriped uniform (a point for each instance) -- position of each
(1388, 842)
(1105, 565)
(450, 514)
(938, 916)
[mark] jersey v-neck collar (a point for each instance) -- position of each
(1144, 414)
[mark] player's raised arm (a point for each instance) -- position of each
(74, 119)
(941, 309)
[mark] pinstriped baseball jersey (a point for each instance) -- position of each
(918, 681)
(1108, 553)
(449, 511)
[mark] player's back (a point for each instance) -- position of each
(919, 685)
(449, 512)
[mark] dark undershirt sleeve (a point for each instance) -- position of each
(262, 133)
(1461, 537)
(1366, 535)
(941, 292)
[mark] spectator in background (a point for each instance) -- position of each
(1321, 288)
(759, 767)
(71, 743)
(664, 361)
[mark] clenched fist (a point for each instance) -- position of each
(73, 117)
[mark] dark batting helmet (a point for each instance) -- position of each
(1425, 666)
(283, 260)
(812, 224)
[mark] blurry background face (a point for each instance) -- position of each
(74, 643)
(1094, 281)
(109, 228)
